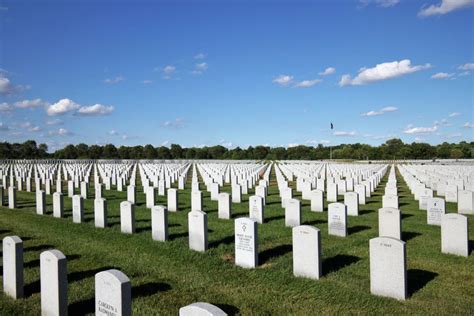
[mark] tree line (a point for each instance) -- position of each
(391, 149)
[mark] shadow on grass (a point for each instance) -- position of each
(417, 279)
(277, 251)
(363, 212)
(225, 241)
(149, 289)
(336, 263)
(406, 215)
(315, 222)
(142, 229)
(406, 236)
(356, 229)
(228, 309)
(177, 236)
(38, 248)
(4, 231)
(274, 218)
(81, 275)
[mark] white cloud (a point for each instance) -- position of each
(290, 145)
(200, 56)
(444, 7)
(61, 107)
(343, 133)
(307, 83)
(379, 3)
(454, 114)
(34, 129)
(200, 68)
(464, 73)
(283, 80)
(3, 127)
(5, 107)
(114, 80)
(176, 123)
(410, 129)
(29, 104)
(468, 66)
(7, 88)
(113, 133)
(384, 71)
(328, 71)
(384, 110)
(54, 122)
(165, 143)
(147, 81)
(61, 132)
(442, 75)
(468, 125)
(95, 110)
(168, 70)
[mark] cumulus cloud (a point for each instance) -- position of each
(468, 125)
(114, 80)
(383, 71)
(468, 66)
(7, 88)
(384, 110)
(113, 132)
(61, 107)
(176, 123)
(168, 70)
(317, 142)
(410, 129)
(95, 110)
(283, 80)
(307, 83)
(454, 114)
(29, 104)
(200, 68)
(442, 75)
(328, 71)
(343, 133)
(444, 7)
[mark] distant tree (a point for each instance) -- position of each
(176, 151)
(163, 153)
(110, 152)
(150, 152)
(82, 151)
(456, 153)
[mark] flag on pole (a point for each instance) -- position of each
(332, 126)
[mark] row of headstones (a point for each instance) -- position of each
(463, 198)
(113, 290)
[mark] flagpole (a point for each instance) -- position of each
(330, 147)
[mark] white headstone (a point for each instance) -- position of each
(201, 309)
(53, 270)
(127, 217)
(390, 223)
(337, 219)
(131, 194)
(390, 201)
(246, 242)
(236, 193)
(77, 209)
(173, 200)
(332, 192)
(150, 197)
(466, 202)
(13, 266)
(307, 252)
(292, 213)
(197, 227)
(40, 202)
(317, 201)
(113, 293)
(58, 204)
(224, 206)
(455, 234)
(256, 209)
(360, 189)
(196, 201)
(159, 223)
(351, 200)
(11, 197)
(100, 212)
(388, 272)
(436, 209)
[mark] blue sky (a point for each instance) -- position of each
(236, 73)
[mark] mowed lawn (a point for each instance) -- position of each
(167, 276)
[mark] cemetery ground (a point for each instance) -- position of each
(167, 275)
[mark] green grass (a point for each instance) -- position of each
(167, 276)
